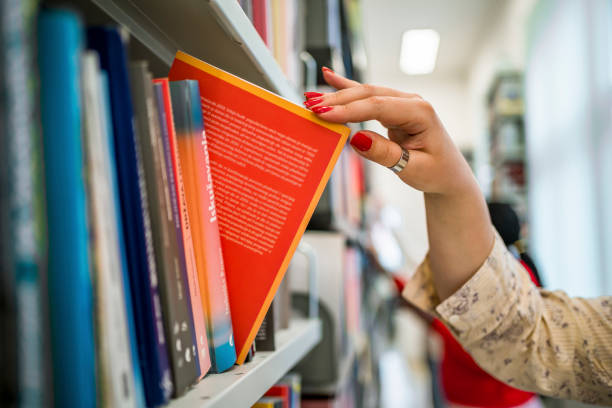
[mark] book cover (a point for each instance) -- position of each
(270, 160)
(115, 378)
(294, 381)
(69, 281)
(183, 229)
(136, 221)
(199, 195)
(178, 325)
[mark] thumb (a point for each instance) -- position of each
(376, 148)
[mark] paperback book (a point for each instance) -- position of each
(269, 161)
(136, 221)
(182, 226)
(178, 324)
(199, 197)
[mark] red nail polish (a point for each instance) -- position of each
(322, 109)
(361, 141)
(309, 95)
(313, 102)
(325, 69)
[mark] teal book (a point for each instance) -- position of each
(69, 281)
(22, 250)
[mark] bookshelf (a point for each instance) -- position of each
(243, 385)
(216, 31)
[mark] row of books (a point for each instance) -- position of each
(114, 250)
(286, 393)
(124, 166)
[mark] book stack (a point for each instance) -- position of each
(172, 205)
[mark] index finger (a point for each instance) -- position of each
(336, 80)
(411, 114)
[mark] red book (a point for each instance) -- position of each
(270, 160)
(280, 390)
(192, 272)
(260, 18)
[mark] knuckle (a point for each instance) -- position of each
(376, 101)
(426, 107)
(368, 89)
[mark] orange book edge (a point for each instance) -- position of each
(342, 130)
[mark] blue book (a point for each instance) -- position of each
(152, 347)
(70, 289)
(138, 386)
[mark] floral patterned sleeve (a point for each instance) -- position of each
(533, 339)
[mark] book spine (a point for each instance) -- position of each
(191, 268)
(174, 303)
(115, 379)
(136, 220)
(22, 251)
(123, 267)
(193, 157)
(199, 344)
(70, 291)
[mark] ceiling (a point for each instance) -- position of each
(462, 25)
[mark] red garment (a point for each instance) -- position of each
(465, 383)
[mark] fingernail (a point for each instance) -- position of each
(322, 109)
(309, 95)
(313, 102)
(361, 141)
(325, 69)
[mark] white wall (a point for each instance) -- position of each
(569, 100)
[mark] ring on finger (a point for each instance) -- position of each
(401, 163)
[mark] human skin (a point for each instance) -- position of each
(458, 224)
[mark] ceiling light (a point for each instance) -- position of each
(419, 51)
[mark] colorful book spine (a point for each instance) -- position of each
(193, 156)
(24, 375)
(114, 359)
(182, 228)
(177, 318)
(136, 221)
(70, 291)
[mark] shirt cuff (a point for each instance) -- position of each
(468, 311)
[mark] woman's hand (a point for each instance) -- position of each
(435, 164)
(458, 225)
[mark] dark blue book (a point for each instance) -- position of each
(152, 347)
(69, 282)
(129, 306)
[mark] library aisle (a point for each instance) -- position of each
(177, 230)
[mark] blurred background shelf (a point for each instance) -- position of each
(243, 385)
(216, 31)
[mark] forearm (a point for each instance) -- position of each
(460, 236)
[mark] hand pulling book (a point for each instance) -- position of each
(70, 290)
(183, 229)
(178, 324)
(199, 195)
(270, 160)
(152, 346)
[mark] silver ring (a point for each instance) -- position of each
(401, 163)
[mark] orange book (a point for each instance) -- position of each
(270, 160)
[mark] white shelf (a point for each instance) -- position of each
(216, 31)
(243, 385)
